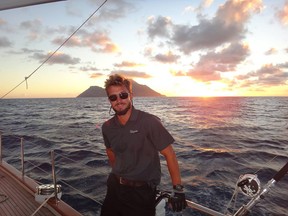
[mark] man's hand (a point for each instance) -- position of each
(177, 200)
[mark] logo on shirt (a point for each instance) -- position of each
(134, 131)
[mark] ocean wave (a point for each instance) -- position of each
(217, 140)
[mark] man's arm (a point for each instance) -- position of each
(177, 200)
(111, 156)
(172, 164)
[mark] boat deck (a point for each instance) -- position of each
(15, 200)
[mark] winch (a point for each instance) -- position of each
(45, 191)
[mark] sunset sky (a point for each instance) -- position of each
(177, 48)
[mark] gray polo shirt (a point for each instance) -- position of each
(136, 146)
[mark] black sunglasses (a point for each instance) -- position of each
(122, 95)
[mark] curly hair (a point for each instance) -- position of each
(118, 80)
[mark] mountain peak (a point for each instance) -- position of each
(137, 89)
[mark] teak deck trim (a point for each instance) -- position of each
(20, 192)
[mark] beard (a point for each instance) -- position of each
(122, 112)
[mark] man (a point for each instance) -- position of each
(133, 140)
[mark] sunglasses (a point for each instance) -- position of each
(122, 95)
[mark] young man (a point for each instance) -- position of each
(133, 140)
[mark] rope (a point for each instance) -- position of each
(4, 198)
(53, 53)
(234, 200)
(42, 204)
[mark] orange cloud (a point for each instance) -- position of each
(98, 41)
(238, 11)
(128, 64)
(283, 14)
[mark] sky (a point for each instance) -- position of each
(177, 48)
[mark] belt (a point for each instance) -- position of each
(131, 183)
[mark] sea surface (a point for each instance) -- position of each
(217, 140)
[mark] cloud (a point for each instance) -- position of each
(158, 26)
(206, 35)
(100, 42)
(33, 27)
(189, 9)
(73, 42)
(225, 32)
(5, 42)
(96, 75)
(204, 4)
(228, 26)
(2, 22)
(270, 75)
(131, 74)
(87, 69)
(204, 74)
(167, 57)
(6, 27)
(178, 73)
(266, 76)
(59, 29)
(207, 3)
(27, 51)
(212, 64)
(127, 64)
(97, 41)
(113, 10)
(282, 14)
(58, 58)
(271, 51)
(283, 65)
(149, 50)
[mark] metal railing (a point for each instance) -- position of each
(24, 172)
(23, 163)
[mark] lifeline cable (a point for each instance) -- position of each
(61, 180)
(50, 56)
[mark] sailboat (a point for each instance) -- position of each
(46, 199)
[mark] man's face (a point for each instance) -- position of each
(120, 99)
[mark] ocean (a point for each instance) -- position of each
(217, 139)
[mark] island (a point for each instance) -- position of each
(138, 91)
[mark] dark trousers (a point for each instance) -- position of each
(123, 200)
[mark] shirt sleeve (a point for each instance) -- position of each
(158, 134)
(106, 141)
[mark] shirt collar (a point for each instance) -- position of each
(133, 117)
(134, 114)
